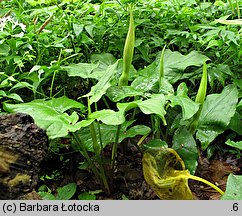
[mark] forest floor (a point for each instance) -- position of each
(129, 183)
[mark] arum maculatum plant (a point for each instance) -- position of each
(128, 53)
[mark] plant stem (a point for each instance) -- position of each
(97, 151)
(52, 84)
(206, 182)
(100, 136)
(85, 154)
(96, 146)
(231, 5)
(99, 131)
(105, 102)
(142, 139)
(140, 142)
(238, 9)
(20, 3)
(115, 146)
(99, 159)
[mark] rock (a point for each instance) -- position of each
(23, 146)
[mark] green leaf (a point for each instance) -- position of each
(104, 60)
(89, 195)
(66, 192)
(108, 133)
(237, 145)
(165, 87)
(117, 93)
(156, 144)
(216, 114)
(233, 188)
(78, 28)
(238, 83)
(189, 107)
(50, 115)
(108, 117)
(124, 197)
(147, 79)
(86, 196)
(15, 97)
(21, 85)
(219, 74)
(174, 64)
(185, 145)
(85, 123)
(240, 104)
(46, 195)
(83, 70)
(4, 50)
(154, 105)
(3, 93)
(35, 68)
(85, 39)
(103, 84)
(213, 43)
(89, 29)
(11, 95)
(236, 122)
(42, 10)
(134, 131)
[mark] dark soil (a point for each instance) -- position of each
(216, 171)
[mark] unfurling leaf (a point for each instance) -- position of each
(128, 52)
(165, 172)
(162, 73)
(201, 94)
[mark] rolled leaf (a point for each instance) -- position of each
(201, 95)
(128, 51)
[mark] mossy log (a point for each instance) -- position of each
(23, 146)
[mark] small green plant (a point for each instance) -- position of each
(63, 193)
(90, 195)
